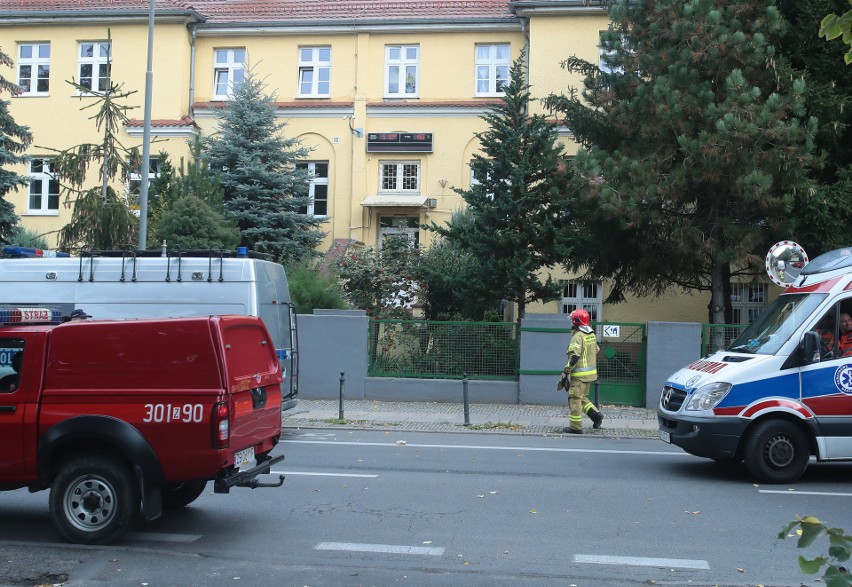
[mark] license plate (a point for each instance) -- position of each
(244, 459)
(665, 436)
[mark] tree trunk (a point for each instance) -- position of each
(716, 307)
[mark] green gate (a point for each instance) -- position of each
(620, 364)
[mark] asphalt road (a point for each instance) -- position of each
(396, 508)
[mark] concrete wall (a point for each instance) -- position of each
(671, 345)
(335, 341)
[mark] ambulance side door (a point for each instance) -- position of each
(827, 385)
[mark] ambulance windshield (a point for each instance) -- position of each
(776, 324)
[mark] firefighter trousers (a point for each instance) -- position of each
(579, 404)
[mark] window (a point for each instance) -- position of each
(314, 71)
(228, 72)
(747, 301)
(587, 295)
(400, 177)
(11, 363)
(492, 69)
(44, 188)
(34, 68)
(402, 70)
(318, 190)
(134, 182)
(94, 65)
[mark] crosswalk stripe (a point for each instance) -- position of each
(381, 548)
(641, 561)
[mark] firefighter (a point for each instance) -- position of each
(581, 371)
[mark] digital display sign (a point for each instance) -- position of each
(399, 142)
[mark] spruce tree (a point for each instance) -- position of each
(263, 189)
(14, 140)
(695, 144)
(518, 227)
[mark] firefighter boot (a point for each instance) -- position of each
(597, 418)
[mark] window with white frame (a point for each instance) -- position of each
(228, 72)
(44, 188)
(134, 182)
(94, 65)
(402, 70)
(747, 301)
(34, 68)
(400, 176)
(314, 72)
(492, 69)
(586, 295)
(318, 190)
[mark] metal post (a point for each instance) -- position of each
(466, 403)
(340, 401)
(598, 394)
(146, 135)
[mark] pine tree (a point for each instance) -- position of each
(14, 140)
(263, 189)
(519, 227)
(695, 145)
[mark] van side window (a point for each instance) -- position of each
(11, 362)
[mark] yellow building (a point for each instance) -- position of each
(387, 94)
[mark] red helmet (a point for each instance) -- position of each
(579, 317)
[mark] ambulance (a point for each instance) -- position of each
(158, 284)
(781, 393)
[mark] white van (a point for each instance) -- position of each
(138, 284)
(782, 391)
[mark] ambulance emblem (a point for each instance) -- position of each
(843, 379)
(690, 383)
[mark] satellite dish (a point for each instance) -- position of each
(785, 262)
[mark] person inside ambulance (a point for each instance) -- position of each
(844, 341)
(827, 342)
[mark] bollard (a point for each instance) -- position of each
(466, 403)
(598, 394)
(340, 402)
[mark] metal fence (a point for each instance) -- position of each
(432, 349)
(717, 337)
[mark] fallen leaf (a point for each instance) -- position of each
(493, 492)
(400, 443)
(739, 570)
(691, 513)
(427, 542)
(533, 511)
(480, 496)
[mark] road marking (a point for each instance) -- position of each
(641, 561)
(473, 446)
(383, 548)
(306, 473)
(162, 537)
(821, 493)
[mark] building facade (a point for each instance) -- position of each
(387, 94)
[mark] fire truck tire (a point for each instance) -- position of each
(178, 495)
(93, 500)
(776, 451)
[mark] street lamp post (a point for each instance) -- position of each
(146, 135)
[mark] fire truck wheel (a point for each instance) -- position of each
(776, 452)
(178, 495)
(93, 500)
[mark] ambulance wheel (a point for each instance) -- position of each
(776, 452)
(178, 495)
(93, 500)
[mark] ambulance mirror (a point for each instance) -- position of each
(809, 347)
(785, 262)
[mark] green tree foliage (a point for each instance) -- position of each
(454, 284)
(26, 237)
(14, 140)
(108, 223)
(211, 225)
(824, 214)
(190, 223)
(519, 226)
(263, 189)
(839, 552)
(382, 282)
(695, 144)
(310, 289)
(838, 25)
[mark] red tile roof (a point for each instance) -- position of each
(186, 121)
(299, 11)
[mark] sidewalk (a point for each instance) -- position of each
(618, 421)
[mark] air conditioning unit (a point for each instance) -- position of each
(431, 202)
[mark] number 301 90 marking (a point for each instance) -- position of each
(170, 413)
